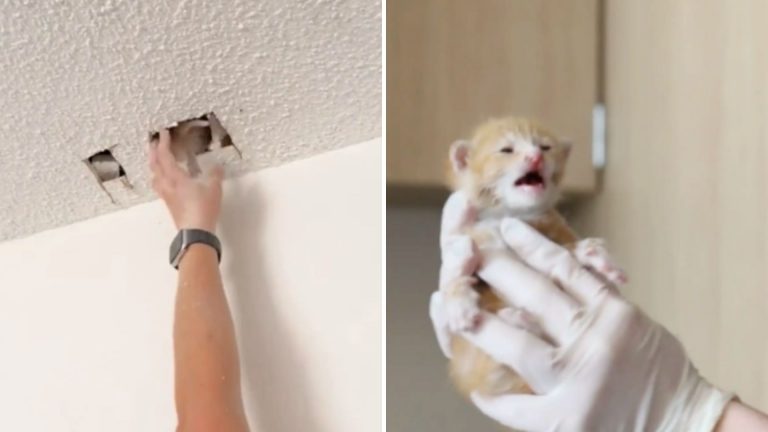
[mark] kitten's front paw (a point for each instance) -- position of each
(461, 309)
(591, 252)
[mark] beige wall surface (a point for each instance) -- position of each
(452, 64)
(685, 193)
(87, 309)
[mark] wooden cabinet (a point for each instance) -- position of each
(453, 63)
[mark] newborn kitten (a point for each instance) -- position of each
(511, 167)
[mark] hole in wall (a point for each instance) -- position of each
(196, 136)
(106, 168)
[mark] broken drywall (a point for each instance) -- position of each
(289, 79)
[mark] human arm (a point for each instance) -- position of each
(207, 371)
(739, 417)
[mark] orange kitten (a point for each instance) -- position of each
(511, 167)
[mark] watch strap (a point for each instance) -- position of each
(188, 237)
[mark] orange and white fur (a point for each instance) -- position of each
(511, 167)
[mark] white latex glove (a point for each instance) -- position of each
(606, 365)
(459, 256)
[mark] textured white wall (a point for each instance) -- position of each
(87, 309)
(288, 79)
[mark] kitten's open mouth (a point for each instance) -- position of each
(531, 179)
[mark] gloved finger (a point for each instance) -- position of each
(457, 214)
(552, 260)
(460, 258)
(520, 318)
(528, 355)
(517, 411)
(439, 323)
(457, 246)
(165, 158)
(521, 286)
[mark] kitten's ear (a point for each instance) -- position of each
(459, 155)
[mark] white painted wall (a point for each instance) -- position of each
(87, 309)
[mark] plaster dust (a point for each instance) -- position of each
(288, 79)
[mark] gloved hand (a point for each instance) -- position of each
(603, 365)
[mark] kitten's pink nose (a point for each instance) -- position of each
(535, 161)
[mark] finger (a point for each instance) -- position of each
(459, 254)
(457, 214)
(520, 318)
(517, 411)
(216, 175)
(552, 260)
(156, 184)
(524, 287)
(165, 157)
(524, 352)
(159, 186)
(460, 258)
(154, 164)
(439, 323)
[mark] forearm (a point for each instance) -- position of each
(206, 358)
(738, 417)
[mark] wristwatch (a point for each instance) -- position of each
(187, 237)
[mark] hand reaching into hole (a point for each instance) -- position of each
(194, 202)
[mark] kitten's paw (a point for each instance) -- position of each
(591, 252)
(461, 309)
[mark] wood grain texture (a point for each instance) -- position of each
(684, 197)
(453, 63)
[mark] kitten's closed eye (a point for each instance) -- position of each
(507, 149)
(545, 147)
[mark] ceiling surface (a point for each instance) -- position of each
(288, 79)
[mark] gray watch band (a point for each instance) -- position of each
(187, 237)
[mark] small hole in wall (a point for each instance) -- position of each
(195, 136)
(104, 166)
(106, 169)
